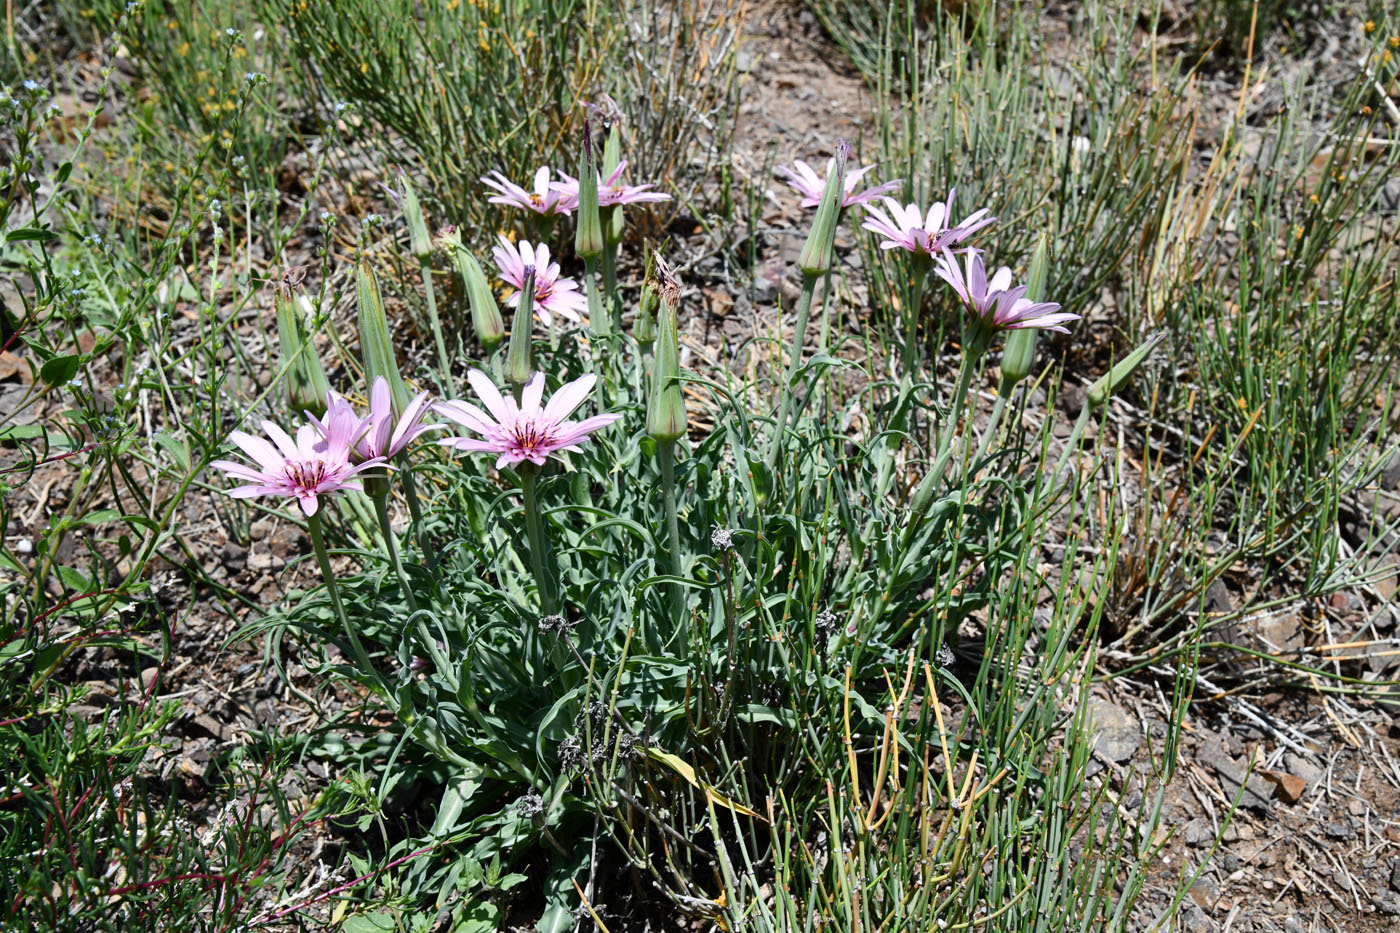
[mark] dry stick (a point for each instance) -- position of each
(1250, 712)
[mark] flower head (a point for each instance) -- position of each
(995, 301)
(545, 200)
(377, 436)
(929, 234)
(310, 466)
(527, 431)
(805, 182)
(611, 190)
(553, 295)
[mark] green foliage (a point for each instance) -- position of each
(470, 86)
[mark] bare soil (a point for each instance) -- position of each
(1313, 843)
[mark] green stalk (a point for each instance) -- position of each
(415, 511)
(381, 509)
(446, 367)
(804, 311)
(910, 352)
(975, 348)
(997, 410)
(318, 544)
(825, 313)
(610, 297)
(666, 452)
(909, 360)
(534, 528)
(1072, 444)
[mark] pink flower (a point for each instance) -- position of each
(912, 230)
(524, 432)
(611, 190)
(804, 180)
(995, 302)
(544, 200)
(553, 295)
(304, 469)
(379, 437)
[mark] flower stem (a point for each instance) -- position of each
(612, 301)
(318, 544)
(799, 335)
(975, 348)
(443, 362)
(381, 509)
(997, 410)
(666, 452)
(415, 511)
(1071, 445)
(909, 360)
(602, 323)
(534, 528)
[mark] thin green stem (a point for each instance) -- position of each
(799, 334)
(911, 352)
(410, 492)
(534, 528)
(611, 299)
(1071, 445)
(318, 545)
(602, 323)
(381, 509)
(666, 452)
(825, 313)
(998, 408)
(975, 347)
(444, 364)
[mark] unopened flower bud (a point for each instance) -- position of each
(1109, 383)
(520, 364)
(1019, 355)
(588, 238)
(645, 329)
(612, 158)
(487, 323)
(305, 378)
(666, 419)
(376, 347)
(419, 242)
(821, 241)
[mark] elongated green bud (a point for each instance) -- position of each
(376, 347)
(489, 327)
(588, 238)
(666, 419)
(644, 331)
(614, 222)
(419, 242)
(520, 362)
(1113, 380)
(821, 241)
(1019, 355)
(305, 378)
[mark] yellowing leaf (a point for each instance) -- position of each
(687, 772)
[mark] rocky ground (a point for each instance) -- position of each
(1285, 811)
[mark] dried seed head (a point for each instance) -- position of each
(945, 656)
(530, 806)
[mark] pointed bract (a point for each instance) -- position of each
(997, 304)
(543, 199)
(304, 468)
(803, 179)
(909, 228)
(553, 294)
(524, 432)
